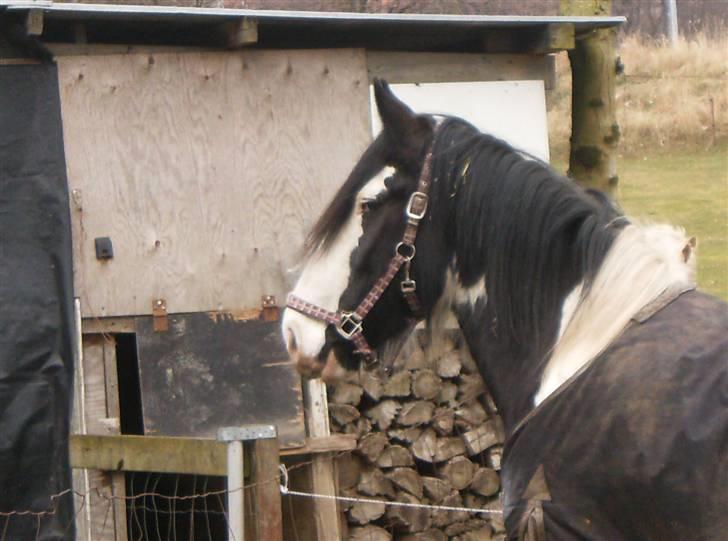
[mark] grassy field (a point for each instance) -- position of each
(689, 189)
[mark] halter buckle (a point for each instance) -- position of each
(349, 325)
(408, 286)
(417, 206)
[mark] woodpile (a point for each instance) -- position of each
(429, 435)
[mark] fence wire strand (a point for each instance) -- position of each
(145, 514)
(144, 510)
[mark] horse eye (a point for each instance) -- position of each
(366, 205)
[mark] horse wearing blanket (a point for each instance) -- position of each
(609, 369)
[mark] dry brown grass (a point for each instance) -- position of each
(669, 96)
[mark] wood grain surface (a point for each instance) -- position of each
(205, 169)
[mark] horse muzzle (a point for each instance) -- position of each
(329, 371)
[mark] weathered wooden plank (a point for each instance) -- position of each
(100, 498)
(34, 22)
(405, 67)
(204, 169)
(18, 61)
(326, 514)
(323, 444)
(89, 448)
(96, 49)
(149, 454)
(95, 385)
(118, 485)
(108, 325)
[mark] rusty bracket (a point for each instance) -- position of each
(159, 315)
(269, 308)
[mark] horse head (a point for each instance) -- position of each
(353, 245)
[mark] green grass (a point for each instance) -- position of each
(685, 188)
(689, 189)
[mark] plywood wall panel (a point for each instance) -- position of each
(205, 169)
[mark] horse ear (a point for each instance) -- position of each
(396, 116)
(689, 248)
(406, 131)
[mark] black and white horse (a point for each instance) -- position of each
(609, 369)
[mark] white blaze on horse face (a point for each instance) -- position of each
(323, 280)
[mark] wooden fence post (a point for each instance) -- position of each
(326, 512)
(266, 490)
(263, 441)
(594, 129)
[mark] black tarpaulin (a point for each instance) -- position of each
(36, 309)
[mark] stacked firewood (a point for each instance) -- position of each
(427, 434)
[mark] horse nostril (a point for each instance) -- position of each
(292, 345)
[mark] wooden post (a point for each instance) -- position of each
(326, 512)
(267, 500)
(266, 490)
(113, 413)
(594, 128)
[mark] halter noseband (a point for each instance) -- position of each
(349, 323)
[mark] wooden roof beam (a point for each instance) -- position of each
(554, 38)
(241, 32)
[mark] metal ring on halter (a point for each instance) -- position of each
(406, 257)
(349, 325)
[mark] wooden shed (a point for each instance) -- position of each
(200, 145)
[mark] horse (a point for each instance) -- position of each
(608, 366)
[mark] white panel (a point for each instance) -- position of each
(512, 110)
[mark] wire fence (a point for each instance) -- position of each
(161, 507)
(156, 507)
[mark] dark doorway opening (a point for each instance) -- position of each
(163, 506)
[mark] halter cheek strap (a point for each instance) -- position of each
(349, 324)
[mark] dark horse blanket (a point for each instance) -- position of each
(636, 445)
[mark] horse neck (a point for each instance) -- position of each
(641, 263)
(511, 366)
(512, 377)
(519, 243)
(512, 374)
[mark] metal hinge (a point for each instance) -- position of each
(269, 308)
(159, 315)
